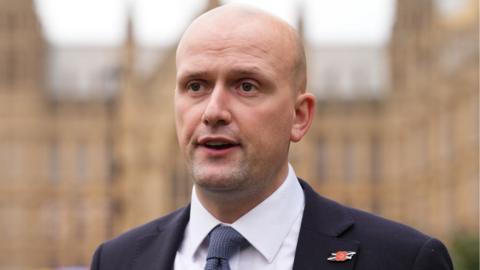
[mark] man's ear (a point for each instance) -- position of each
(304, 111)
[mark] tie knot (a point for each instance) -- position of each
(224, 242)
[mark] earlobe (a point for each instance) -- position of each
(304, 112)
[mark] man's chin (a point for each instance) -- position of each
(218, 179)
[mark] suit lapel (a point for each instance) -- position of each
(157, 251)
(314, 249)
(323, 224)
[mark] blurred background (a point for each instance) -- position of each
(87, 136)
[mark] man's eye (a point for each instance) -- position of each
(247, 87)
(194, 87)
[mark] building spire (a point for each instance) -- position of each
(129, 37)
(129, 43)
(301, 19)
(212, 4)
(128, 53)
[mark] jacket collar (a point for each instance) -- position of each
(324, 222)
(157, 251)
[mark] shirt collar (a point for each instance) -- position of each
(200, 224)
(260, 226)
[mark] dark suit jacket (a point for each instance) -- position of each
(326, 227)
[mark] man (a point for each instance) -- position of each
(240, 100)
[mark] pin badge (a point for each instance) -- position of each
(341, 256)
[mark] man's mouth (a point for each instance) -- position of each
(217, 143)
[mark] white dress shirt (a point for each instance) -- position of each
(272, 228)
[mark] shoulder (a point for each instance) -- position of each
(382, 242)
(379, 228)
(396, 242)
(118, 252)
(337, 219)
(148, 229)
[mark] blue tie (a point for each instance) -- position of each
(224, 242)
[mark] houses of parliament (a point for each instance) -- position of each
(88, 145)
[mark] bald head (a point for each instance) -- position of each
(269, 33)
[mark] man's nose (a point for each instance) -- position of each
(216, 112)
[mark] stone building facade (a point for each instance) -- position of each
(54, 155)
(395, 133)
(410, 152)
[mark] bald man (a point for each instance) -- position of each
(240, 101)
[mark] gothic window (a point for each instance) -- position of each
(10, 68)
(3, 68)
(19, 68)
(181, 186)
(111, 166)
(10, 214)
(375, 173)
(420, 144)
(51, 220)
(348, 159)
(3, 160)
(3, 22)
(375, 153)
(81, 161)
(10, 22)
(321, 160)
(7, 159)
(54, 163)
(330, 83)
(80, 215)
(7, 67)
(15, 159)
(24, 66)
(447, 135)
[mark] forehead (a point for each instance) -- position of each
(234, 43)
(230, 53)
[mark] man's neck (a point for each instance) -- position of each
(230, 206)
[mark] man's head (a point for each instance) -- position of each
(240, 99)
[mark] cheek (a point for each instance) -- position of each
(271, 124)
(187, 118)
(181, 119)
(280, 116)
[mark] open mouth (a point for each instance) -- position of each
(218, 145)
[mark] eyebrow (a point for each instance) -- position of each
(187, 75)
(247, 71)
(264, 76)
(244, 70)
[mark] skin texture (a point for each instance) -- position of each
(240, 80)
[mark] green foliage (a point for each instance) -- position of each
(465, 252)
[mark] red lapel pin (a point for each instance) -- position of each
(341, 256)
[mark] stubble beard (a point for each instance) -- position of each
(234, 178)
